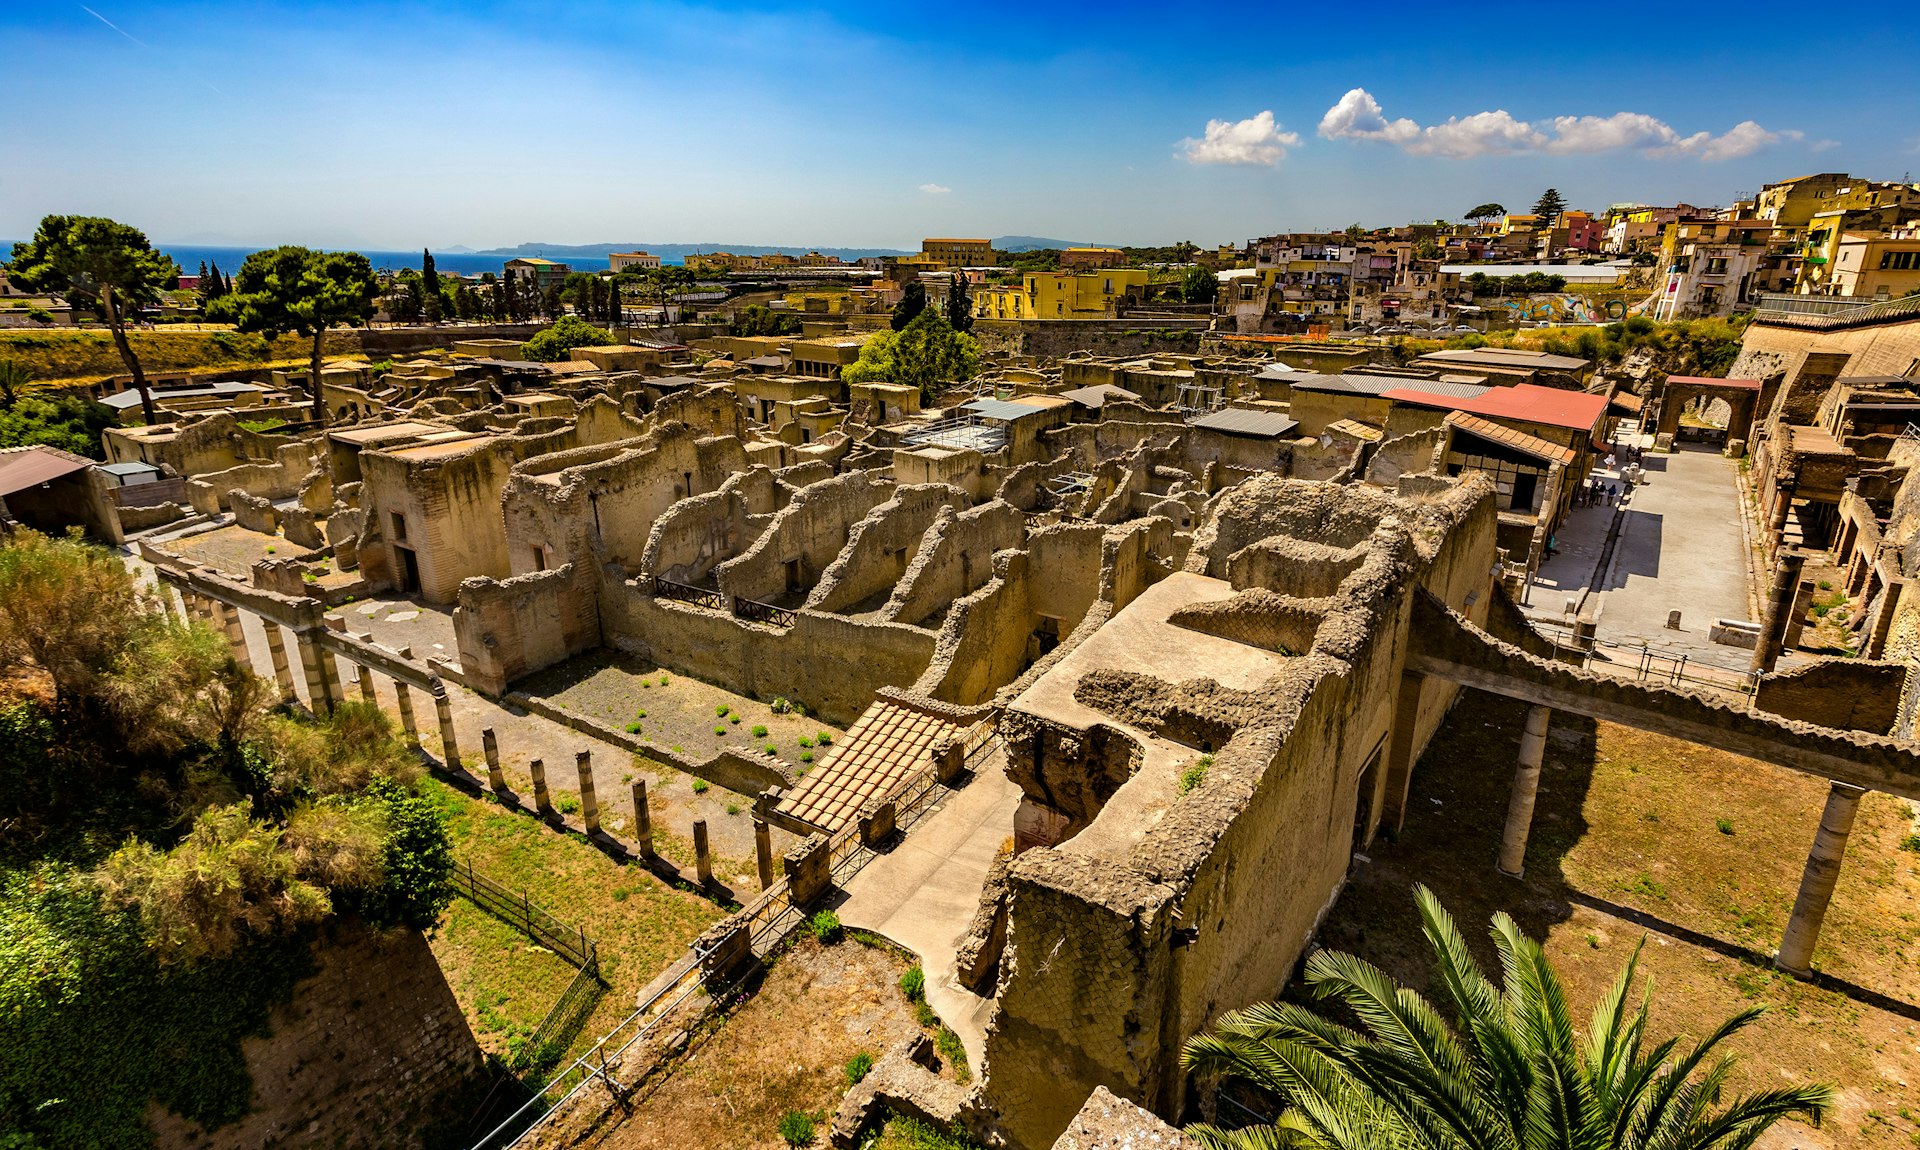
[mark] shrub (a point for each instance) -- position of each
(806, 756)
(1195, 774)
(720, 712)
(664, 680)
(796, 1128)
(640, 713)
(806, 740)
(567, 333)
(771, 749)
(913, 983)
(825, 926)
(733, 808)
(1725, 826)
(760, 730)
(633, 728)
(719, 728)
(780, 706)
(568, 804)
(700, 786)
(948, 1044)
(824, 738)
(858, 1067)
(733, 720)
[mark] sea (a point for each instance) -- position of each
(190, 257)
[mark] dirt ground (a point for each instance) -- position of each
(1700, 853)
(784, 1049)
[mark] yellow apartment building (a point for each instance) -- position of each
(1870, 265)
(1062, 295)
(952, 253)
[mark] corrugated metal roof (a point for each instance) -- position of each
(1507, 437)
(1359, 384)
(1243, 421)
(1005, 410)
(130, 398)
(1509, 357)
(24, 467)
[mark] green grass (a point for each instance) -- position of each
(904, 1133)
(1195, 774)
(858, 1067)
(503, 982)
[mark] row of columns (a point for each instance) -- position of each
(1795, 955)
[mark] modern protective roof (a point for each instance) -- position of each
(24, 467)
(1703, 381)
(1097, 395)
(1526, 402)
(126, 468)
(1541, 449)
(1509, 357)
(1005, 410)
(1245, 421)
(1356, 384)
(130, 398)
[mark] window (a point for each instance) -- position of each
(399, 526)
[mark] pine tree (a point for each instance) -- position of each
(913, 301)
(429, 287)
(1549, 206)
(509, 306)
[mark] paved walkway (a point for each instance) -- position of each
(923, 893)
(1681, 547)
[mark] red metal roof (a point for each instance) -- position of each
(1747, 384)
(1527, 402)
(24, 467)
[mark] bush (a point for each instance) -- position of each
(806, 740)
(720, 712)
(824, 738)
(719, 728)
(1195, 774)
(759, 730)
(633, 728)
(771, 749)
(825, 926)
(806, 756)
(1724, 826)
(700, 786)
(780, 705)
(733, 720)
(913, 983)
(858, 1067)
(948, 1044)
(796, 1128)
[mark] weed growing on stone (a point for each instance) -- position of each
(858, 1067)
(699, 785)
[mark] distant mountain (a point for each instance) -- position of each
(674, 253)
(459, 250)
(1031, 243)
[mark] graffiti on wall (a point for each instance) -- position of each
(1549, 307)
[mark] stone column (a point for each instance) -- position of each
(403, 697)
(642, 819)
(1406, 711)
(589, 808)
(366, 683)
(336, 686)
(1816, 883)
(449, 742)
(277, 654)
(542, 800)
(1526, 785)
(229, 619)
(313, 665)
(490, 747)
(763, 850)
(702, 856)
(1773, 628)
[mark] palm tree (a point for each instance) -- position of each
(1509, 1073)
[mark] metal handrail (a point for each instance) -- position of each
(754, 611)
(664, 588)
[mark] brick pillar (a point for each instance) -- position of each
(702, 854)
(1406, 711)
(490, 747)
(542, 801)
(449, 742)
(277, 654)
(642, 819)
(1816, 883)
(589, 808)
(1882, 624)
(320, 697)
(1526, 785)
(336, 688)
(1773, 628)
(763, 850)
(403, 696)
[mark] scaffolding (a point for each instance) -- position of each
(1197, 399)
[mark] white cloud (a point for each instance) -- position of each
(1256, 140)
(1358, 116)
(935, 189)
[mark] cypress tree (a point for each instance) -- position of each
(960, 302)
(211, 285)
(429, 287)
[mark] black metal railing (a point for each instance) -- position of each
(688, 593)
(754, 611)
(516, 909)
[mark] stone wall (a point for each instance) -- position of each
(1849, 694)
(1060, 337)
(883, 545)
(1877, 349)
(803, 539)
(507, 629)
(372, 1051)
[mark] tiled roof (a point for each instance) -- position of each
(1527, 402)
(878, 753)
(1520, 441)
(1703, 381)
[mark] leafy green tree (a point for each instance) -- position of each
(13, 379)
(1353, 233)
(567, 333)
(1549, 206)
(298, 291)
(913, 301)
(960, 302)
(1487, 211)
(1199, 285)
(1509, 1073)
(926, 353)
(755, 319)
(101, 265)
(429, 287)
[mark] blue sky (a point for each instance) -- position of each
(393, 126)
